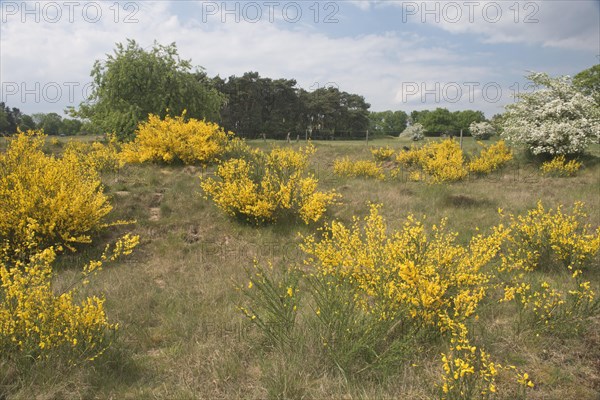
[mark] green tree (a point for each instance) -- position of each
(26, 123)
(133, 83)
(71, 126)
(417, 116)
(497, 122)
(437, 122)
(4, 125)
(332, 113)
(387, 122)
(588, 82)
(257, 105)
(51, 123)
(9, 119)
(464, 119)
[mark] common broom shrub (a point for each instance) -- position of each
(382, 153)
(97, 156)
(177, 139)
(36, 322)
(434, 162)
(266, 187)
(361, 168)
(491, 158)
(47, 200)
(559, 166)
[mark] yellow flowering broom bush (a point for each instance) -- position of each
(175, 139)
(426, 277)
(268, 186)
(491, 158)
(45, 200)
(551, 239)
(35, 322)
(419, 278)
(435, 162)
(445, 161)
(377, 296)
(559, 166)
(542, 306)
(361, 168)
(273, 301)
(382, 153)
(97, 156)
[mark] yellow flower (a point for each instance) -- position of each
(360, 168)
(558, 166)
(48, 200)
(491, 158)
(267, 186)
(175, 138)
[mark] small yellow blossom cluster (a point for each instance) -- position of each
(434, 162)
(382, 153)
(468, 371)
(491, 158)
(265, 187)
(547, 308)
(35, 322)
(97, 156)
(550, 239)
(175, 139)
(559, 166)
(365, 168)
(545, 241)
(45, 200)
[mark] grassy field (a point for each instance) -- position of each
(182, 336)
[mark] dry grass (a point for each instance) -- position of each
(182, 335)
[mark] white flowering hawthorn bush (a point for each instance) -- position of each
(555, 119)
(481, 130)
(415, 132)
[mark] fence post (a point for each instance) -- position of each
(367, 137)
(461, 139)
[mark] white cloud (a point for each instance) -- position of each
(564, 24)
(378, 66)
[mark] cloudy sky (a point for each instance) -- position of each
(400, 55)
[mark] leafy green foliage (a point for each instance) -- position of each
(133, 83)
(588, 81)
(276, 107)
(387, 122)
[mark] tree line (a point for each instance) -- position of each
(12, 119)
(134, 82)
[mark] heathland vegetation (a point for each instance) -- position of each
(172, 258)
